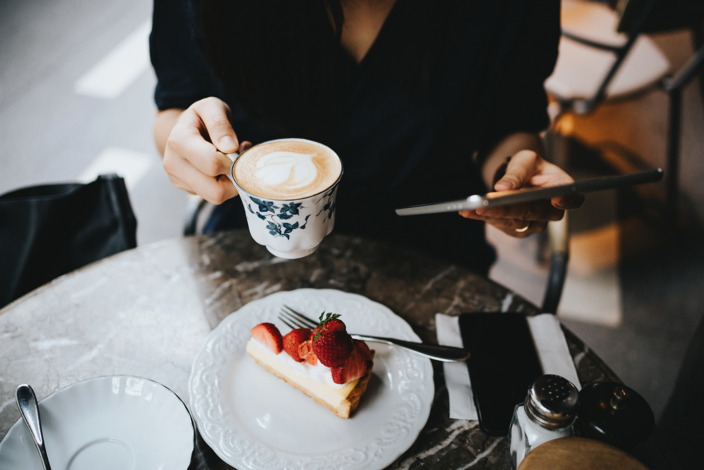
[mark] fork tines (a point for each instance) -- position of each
(287, 322)
(294, 319)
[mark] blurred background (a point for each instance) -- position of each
(76, 101)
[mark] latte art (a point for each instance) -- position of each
(287, 169)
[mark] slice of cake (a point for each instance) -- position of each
(326, 363)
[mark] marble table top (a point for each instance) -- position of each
(146, 312)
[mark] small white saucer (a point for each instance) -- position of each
(119, 423)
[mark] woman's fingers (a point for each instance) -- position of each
(195, 164)
(571, 201)
(186, 142)
(552, 175)
(515, 227)
(519, 170)
(519, 228)
(215, 115)
(215, 190)
(539, 211)
(526, 169)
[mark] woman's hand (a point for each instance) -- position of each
(527, 169)
(194, 149)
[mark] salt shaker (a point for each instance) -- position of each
(546, 414)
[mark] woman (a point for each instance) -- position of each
(423, 101)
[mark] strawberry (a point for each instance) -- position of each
(268, 335)
(305, 351)
(328, 322)
(356, 366)
(364, 348)
(293, 339)
(334, 325)
(333, 348)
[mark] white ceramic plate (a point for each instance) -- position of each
(253, 420)
(107, 423)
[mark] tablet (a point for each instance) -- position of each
(518, 196)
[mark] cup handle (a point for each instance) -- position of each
(233, 157)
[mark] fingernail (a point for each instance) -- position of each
(228, 144)
(503, 186)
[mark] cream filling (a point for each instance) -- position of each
(316, 379)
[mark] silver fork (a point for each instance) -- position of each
(294, 319)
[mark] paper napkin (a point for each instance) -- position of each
(550, 344)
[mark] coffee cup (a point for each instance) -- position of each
(288, 189)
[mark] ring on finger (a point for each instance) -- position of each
(523, 229)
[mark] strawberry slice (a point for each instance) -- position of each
(293, 339)
(268, 335)
(312, 359)
(356, 366)
(305, 351)
(333, 348)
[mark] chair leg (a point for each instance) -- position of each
(672, 152)
(558, 233)
(556, 140)
(194, 207)
(674, 89)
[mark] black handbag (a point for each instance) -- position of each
(49, 230)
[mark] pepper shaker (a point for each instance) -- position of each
(547, 413)
(614, 413)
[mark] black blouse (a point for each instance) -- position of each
(398, 147)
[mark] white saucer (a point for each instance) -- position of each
(107, 423)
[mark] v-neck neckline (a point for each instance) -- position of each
(374, 45)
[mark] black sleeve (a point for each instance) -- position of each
(182, 71)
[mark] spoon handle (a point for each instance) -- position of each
(27, 403)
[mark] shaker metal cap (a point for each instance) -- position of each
(552, 401)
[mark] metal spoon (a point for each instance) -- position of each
(27, 403)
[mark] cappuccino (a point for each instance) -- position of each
(287, 169)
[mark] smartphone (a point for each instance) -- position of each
(503, 364)
(504, 198)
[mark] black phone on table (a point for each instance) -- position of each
(503, 364)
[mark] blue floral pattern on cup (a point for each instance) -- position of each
(329, 207)
(278, 216)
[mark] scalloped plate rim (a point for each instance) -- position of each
(218, 438)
